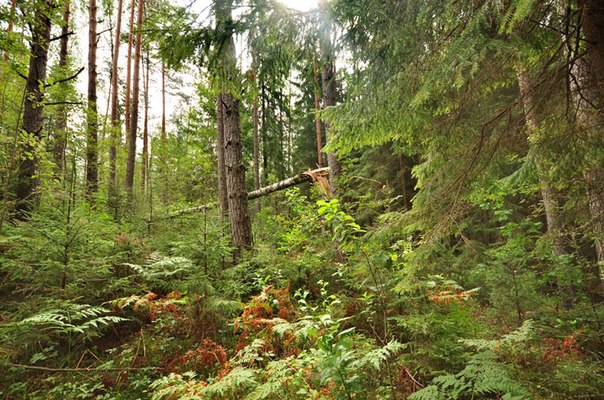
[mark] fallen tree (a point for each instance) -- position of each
(316, 175)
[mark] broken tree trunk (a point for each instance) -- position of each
(308, 176)
(316, 175)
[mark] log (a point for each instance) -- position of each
(316, 175)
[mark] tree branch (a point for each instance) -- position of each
(49, 369)
(69, 78)
(62, 36)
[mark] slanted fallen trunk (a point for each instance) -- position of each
(316, 175)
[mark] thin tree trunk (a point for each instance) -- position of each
(163, 166)
(329, 99)
(145, 164)
(318, 117)
(60, 138)
(255, 134)
(135, 100)
(129, 70)
(115, 118)
(33, 112)
(264, 135)
(92, 177)
(223, 202)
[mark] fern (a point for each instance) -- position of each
(378, 357)
(83, 320)
(483, 376)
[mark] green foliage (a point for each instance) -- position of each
(483, 377)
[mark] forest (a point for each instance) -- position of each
(280, 199)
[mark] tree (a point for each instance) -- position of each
(115, 136)
(130, 163)
(60, 140)
(228, 110)
(33, 110)
(92, 174)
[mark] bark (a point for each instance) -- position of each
(318, 117)
(264, 135)
(92, 177)
(135, 100)
(129, 69)
(592, 23)
(256, 160)
(60, 139)
(115, 118)
(241, 229)
(145, 163)
(33, 112)
(329, 99)
(163, 135)
(223, 202)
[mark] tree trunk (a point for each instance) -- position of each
(223, 201)
(241, 229)
(592, 23)
(317, 116)
(255, 134)
(329, 99)
(33, 112)
(135, 100)
(60, 139)
(115, 118)
(163, 169)
(145, 163)
(129, 70)
(92, 174)
(264, 134)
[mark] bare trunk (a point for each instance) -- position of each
(92, 177)
(115, 118)
(592, 23)
(241, 229)
(60, 139)
(145, 164)
(264, 135)
(129, 70)
(256, 142)
(318, 117)
(135, 100)
(223, 202)
(33, 113)
(163, 168)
